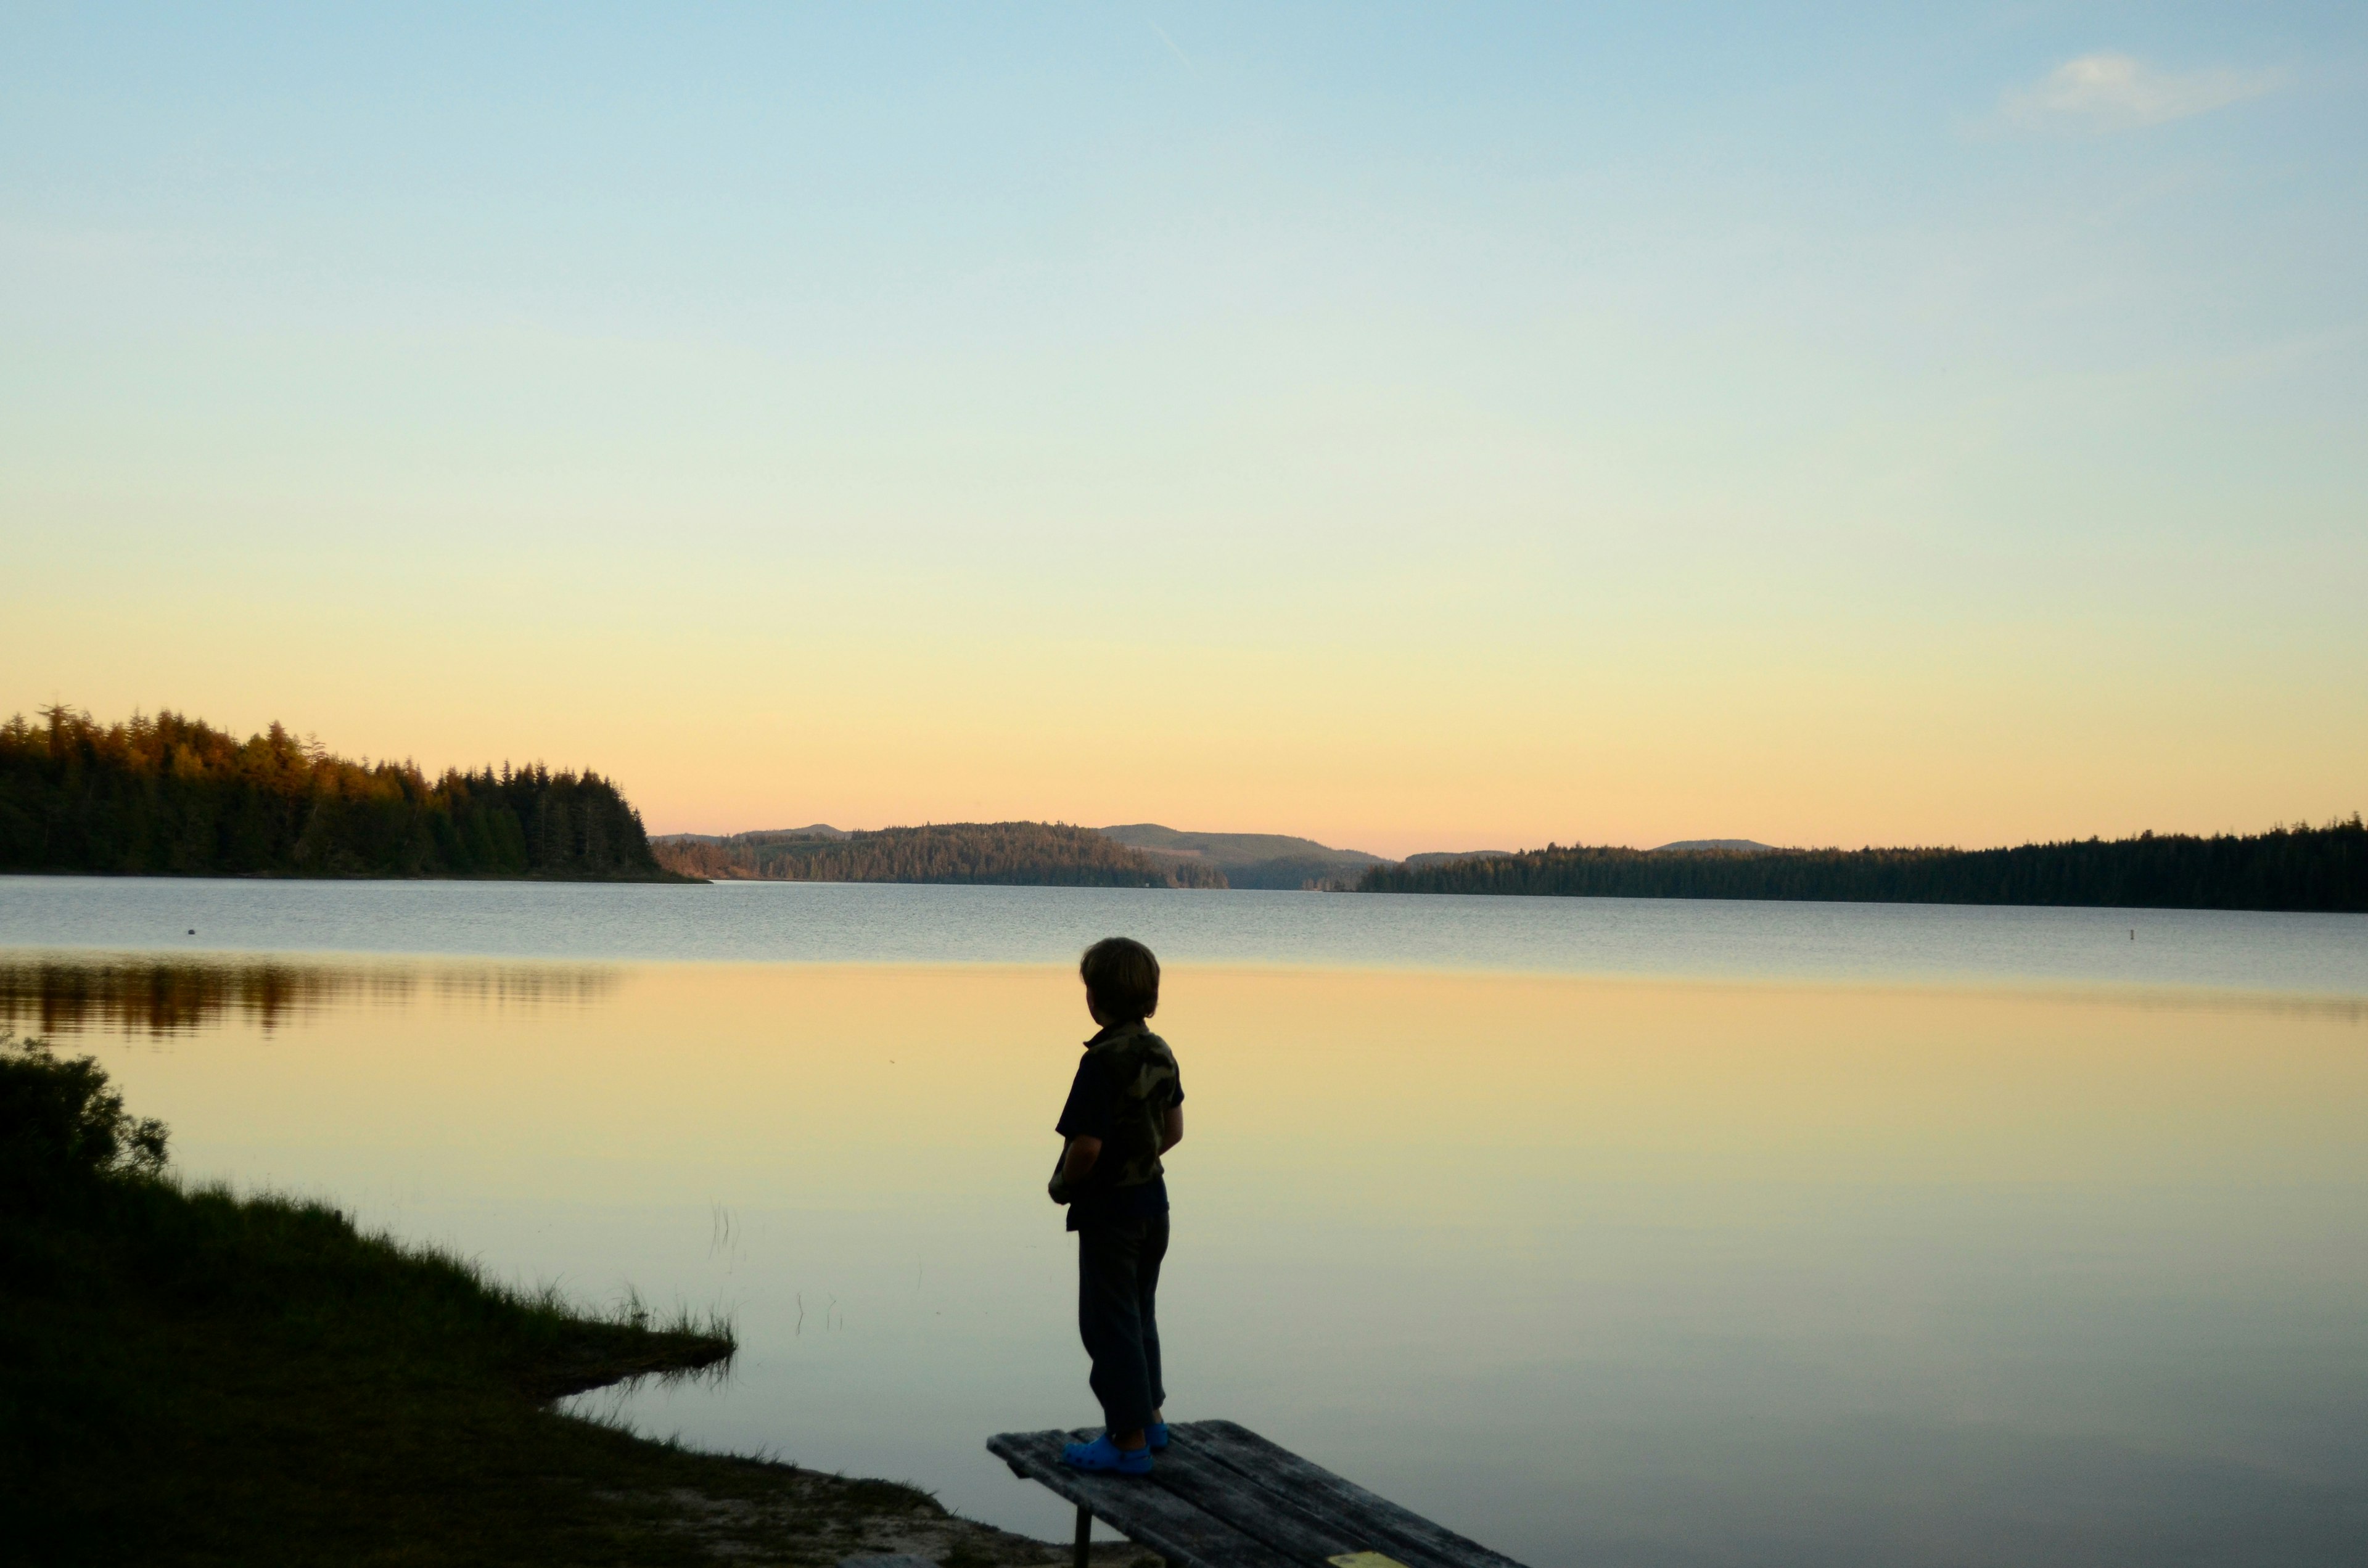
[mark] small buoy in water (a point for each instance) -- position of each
(193, 930)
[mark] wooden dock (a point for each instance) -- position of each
(1221, 1496)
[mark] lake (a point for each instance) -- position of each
(1607, 1230)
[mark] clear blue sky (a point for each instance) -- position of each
(1409, 426)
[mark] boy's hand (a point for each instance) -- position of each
(1077, 1159)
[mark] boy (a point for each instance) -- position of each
(1125, 1109)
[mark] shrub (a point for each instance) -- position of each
(61, 1125)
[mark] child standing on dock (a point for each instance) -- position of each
(1125, 1109)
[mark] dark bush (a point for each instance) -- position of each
(61, 1125)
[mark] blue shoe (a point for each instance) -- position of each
(1157, 1433)
(1103, 1454)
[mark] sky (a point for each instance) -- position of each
(1412, 426)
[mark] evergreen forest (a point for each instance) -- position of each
(172, 796)
(2297, 867)
(1021, 854)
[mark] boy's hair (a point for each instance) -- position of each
(1121, 977)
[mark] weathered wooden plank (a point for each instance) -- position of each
(1221, 1496)
(1384, 1525)
(1280, 1521)
(1276, 1503)
(1136, 1507)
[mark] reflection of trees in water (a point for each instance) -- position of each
(68, 995)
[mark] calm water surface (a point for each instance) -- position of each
(1610, 1232)
(874, 923)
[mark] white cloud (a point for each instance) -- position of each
(2113, 91)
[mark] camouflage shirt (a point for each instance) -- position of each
(1124, 1089)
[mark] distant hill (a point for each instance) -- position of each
(173, 796)
(1740, 845)
(2286, 867)
(1250, 859)
(1021, 854)
(760, 836)
(1449, 857)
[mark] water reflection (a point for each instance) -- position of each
(1601, 1271)
(135, 994)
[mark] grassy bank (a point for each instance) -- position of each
(190, 1377)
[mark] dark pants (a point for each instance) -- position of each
(1118, 1276)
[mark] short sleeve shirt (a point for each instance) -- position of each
(1092, 1112)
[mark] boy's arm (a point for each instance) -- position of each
(1171, 1129)
(1089, 1107)
(1077, 1158)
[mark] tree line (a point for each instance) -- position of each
(173, 796)
(2297, 867)
(1021, 854)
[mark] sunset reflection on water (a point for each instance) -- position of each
(139, 993)
(1594, 1269)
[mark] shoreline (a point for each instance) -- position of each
(659, 879)
(193, 1376)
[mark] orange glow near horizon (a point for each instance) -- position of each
(953, 422)
(1794, 758)
(1442, 1091)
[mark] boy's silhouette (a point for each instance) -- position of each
(1125, 1109)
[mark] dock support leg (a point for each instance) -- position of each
(1085, 1534)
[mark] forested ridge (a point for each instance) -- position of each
(2297, 867)
(1250, 859)
(173, 796)
(1025, 854)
